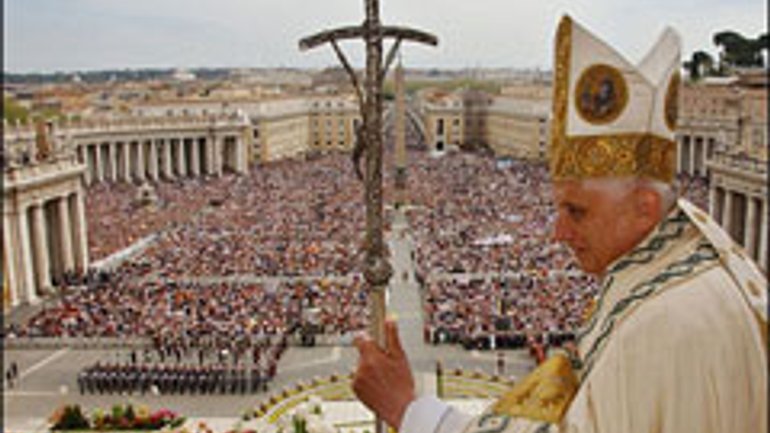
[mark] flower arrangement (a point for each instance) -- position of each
(69, 417)
(120, 417)
(307, 417)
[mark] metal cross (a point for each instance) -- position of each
(377, 270)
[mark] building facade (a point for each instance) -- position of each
(44, 226)
(738, 201)
(723, 135)
(281, 126)
(443, 117)
(519, 128)
(721, 114)
(514, 123)
(139, 149)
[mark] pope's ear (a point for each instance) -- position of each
(648, 206)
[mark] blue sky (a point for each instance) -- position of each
(66, 35)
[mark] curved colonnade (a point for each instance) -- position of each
(46, 173)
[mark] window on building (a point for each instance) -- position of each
(440, 127)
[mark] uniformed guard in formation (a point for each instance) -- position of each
(230, 373)
(113, 378)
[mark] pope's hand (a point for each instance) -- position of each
(383, 381)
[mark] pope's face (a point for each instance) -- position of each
(597, 226)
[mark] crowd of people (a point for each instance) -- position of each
(482, 230)
(117, 219)
(491, 274)
(291, 218)
(192, 315)
(507, 312)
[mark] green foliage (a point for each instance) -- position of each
(117, 411)
(72, 419)
(12, 111)
(48, 114)
(129, 414)
(739, 51)
(701, 64)
(735, 50)
(177, 422)
(300, 424)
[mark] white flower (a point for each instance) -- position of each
(318, 426)
(314, 401)
(301, 411)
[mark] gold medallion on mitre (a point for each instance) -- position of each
(611, 118)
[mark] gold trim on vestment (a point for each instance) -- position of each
(560, 89)
(615, 155)
(671, 108)
(544, 395)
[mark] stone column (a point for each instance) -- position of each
(680, 152)
(727, 213)
(217, 155)
(113, 152)
(65, 231)
(195, 157)
(77, 208)
(11, 256)
(713, 201)
(25, 263)
(241, 143)
(126, 146)
(83, 156)
(140, 163)
(763, 236)
(181, 159)
(691, 156)
(209, 149)
(168, 169)
(154, 160)
(700, 154)
(40, 240)
(707, 152)
(99, 163)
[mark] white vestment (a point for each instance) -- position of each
(677, 344)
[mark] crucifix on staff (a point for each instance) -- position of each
(377, 270)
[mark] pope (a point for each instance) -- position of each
(677, 342)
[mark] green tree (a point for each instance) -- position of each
(700, 65)
(738, 51)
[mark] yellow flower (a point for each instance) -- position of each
(142, 411)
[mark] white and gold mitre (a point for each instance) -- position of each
(611, 118)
